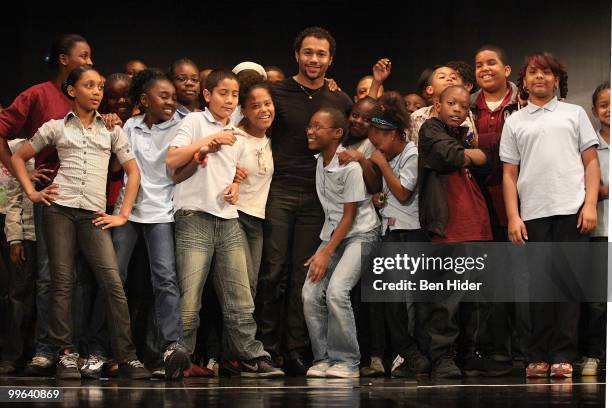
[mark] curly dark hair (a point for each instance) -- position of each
(543, 59)
(144, 80)
(316, 32)
(392, 108)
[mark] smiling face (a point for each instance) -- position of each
(601, 110)
(359, 119)
(453, 106)
(223, 99)
(441, 79)
(186, 80)
(320, 131)
(160, 101)
(117, 99)
(87, 91)
(258, 109)
(491, 73)
(313, 58)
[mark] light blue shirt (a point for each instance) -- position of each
(547, 143)
(603, 155)
(154, 201)
(337, 185)
(395, 214)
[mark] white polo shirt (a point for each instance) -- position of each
(337, 185)
(203, 191)
(395, 214)
(603, 154)
(547, 143)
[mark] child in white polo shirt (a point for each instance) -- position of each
(550, 164)
(350, 221)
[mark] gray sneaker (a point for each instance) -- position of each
(40, 366)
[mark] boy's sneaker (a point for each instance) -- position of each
(260, 368)
(176, 361)
(93, 366)
(40, 366)
(230, 368)
(590, 366)
(415, 365)
(7, 367)
(375, 369)
(476, 365)
(213, 366)
(196, 371)
(134, 370)
(318, 370)
(67, 367)
(445, 367)
(342, 370)
(537, 370)
(159, 373)
(561, 370)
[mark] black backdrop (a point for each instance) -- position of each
(221, 34)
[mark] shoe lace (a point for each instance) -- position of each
(135, 364)
(40, 360)
(94, 359)
(69, 360)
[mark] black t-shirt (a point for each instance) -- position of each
(294, 163)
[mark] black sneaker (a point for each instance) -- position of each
(67, 367)
(445, 367)
(230, 368)
(414, 365)
(477, 365)
(40, 366)
(260, 368)
(134, 370)
(176, 361)
(296, 367)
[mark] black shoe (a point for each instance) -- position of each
(476, 365)
(67, 367)
(260, 368)
(176, 361)
(414, 365)
(229, 368)
(445, 367)
(295, 367)
(134, 370)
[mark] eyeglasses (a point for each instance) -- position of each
(183, 79)
(317, 128)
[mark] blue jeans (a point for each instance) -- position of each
(199, 237)
(159, 239)
(43, 285)
(252, 235)
(327, 303)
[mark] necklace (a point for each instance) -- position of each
(310, 95)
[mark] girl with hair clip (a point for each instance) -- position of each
(552, 168)
(74, 210)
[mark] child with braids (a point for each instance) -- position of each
(552, 168)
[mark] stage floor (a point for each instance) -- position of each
(513, 391)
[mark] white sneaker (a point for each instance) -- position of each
(342, 370)
(213, 365)
(93, 366)
(318, 370)
(590, 366)
(397, 362)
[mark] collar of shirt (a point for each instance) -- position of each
(182, 111)
(602, 143)
(550, 106)
(70, 116)
(334, 164)
(211, 119)
(481, 103)
(140, 124)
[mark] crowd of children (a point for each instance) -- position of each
(278, 188)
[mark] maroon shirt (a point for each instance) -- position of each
(29, 111)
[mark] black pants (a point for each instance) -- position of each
(293, 223)
(554, 326)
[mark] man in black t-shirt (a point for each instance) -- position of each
(294, 216)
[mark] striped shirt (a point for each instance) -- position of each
(84, 155)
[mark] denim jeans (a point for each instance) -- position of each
(43, 284)
(252, 235)
(327, 303)
(199, 237)
(69, 230)
(159, 239)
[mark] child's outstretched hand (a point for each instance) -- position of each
(587, 219)
(108, 221)
(381, 70)
(45, 196)
(231, 193)
(517, 232)
(349, 155)
(317, 266)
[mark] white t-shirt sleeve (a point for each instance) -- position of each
(354, 187)
(408, 172)
(184, 133)
(586, 134)
(508, 148)
(47, 135)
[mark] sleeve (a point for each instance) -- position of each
(586, 134)
(13, 118)
(46, 135)
(120, 146)
(508, 148)
(183, 135)
(440, 151)
(354, 187)
(13, 227)
(408, 172)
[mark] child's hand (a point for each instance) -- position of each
(317, 266)
(349, 155)
(332, 85)
(108, 221)
(231, 193)
(39, 175)
(376, 200)
(18, 254)
(517, 232)
(587, 219)
(111, 120)
(378, 158)
(381, 70)
(241, 174)
(45, 196)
